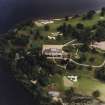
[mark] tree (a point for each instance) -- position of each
(37, 34)
(92, 59)
(68, 48)
(83, 35)
(82, 58)
(56, 103)
(63, 62)
(69, 94)
(66, 29)
(66, 18)
(84, 48)
(100, 74)
(96, 93)
(20, 41)
(69, 28)
(101, 23)
(62, 28)
(70, 66)
(103, 11)
(100, 33)
(80, 26)
(47, 27)
(89, 15)
(76, 16)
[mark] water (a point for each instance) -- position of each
(11, 93)
(15, 11)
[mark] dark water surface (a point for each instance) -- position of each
(11, 93)
(14, 11)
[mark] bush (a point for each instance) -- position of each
(80, 26)
(100, 74)
(92, 59)
(20, 41)
(71, 66)
(89, 15)
(47, 27)
(102, 11)
(66, 18)
(96, 94)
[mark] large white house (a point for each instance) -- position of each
(53, 51)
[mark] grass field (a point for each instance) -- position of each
(87, 84)
(58, 81)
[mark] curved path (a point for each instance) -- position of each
(63, 67)
(70, 42)
(86, 65)
(79, 64)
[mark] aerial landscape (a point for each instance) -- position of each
(54, 59)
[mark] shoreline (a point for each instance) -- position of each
(55, 18)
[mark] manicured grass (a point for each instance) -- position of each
(58, 81)
(74, 21)
(87, 84)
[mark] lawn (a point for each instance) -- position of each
(74, 21)
(58, 81)
(87, 84)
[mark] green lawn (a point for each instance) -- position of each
(74, 21)
(87, 84)
(58, 81)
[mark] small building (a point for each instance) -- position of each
(54, 93)
(73, 78)
(53, 51)
(51, 37)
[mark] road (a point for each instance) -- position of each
(86, 65)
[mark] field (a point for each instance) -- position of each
(87, 84)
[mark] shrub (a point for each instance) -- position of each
(96, 93)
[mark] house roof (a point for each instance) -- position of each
(52, 48)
